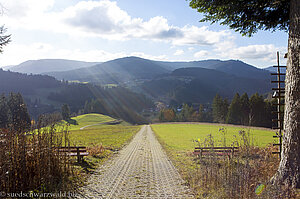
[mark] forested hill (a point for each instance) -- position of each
(200, 85)
(115, 71)
(45, 94)
(25, 84)
(134, 68)
(232, 67)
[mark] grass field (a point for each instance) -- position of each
(112, 136)
(181, 136)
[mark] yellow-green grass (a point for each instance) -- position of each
(110, 136)
(181, 136)
(88, 119)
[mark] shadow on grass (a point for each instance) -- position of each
(72, 121)
(90, 163)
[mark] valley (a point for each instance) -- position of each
(77, 83)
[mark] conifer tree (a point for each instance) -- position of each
(4, 112)
(245, 109)
(20, 119)
(201, 113)
(234, 111)
(65, 112)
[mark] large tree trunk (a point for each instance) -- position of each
(289, 168)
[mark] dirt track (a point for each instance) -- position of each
(140, 170)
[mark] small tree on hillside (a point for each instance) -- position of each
(65, 112)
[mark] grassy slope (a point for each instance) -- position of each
(112, 136)
(89, 119)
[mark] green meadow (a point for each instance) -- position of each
(88, 119)
(111, 136)
(182, 137)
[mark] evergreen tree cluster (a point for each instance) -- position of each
(243, 111)
(13, 112)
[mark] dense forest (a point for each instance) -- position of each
(25, 84)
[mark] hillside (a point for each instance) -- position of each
(241, 69)
(132, 68)
(25, 84)
(115, 71)
(202, 64)
(48, 65)
(274, 69)
(232, 67)
(45, 94)
(201, 85)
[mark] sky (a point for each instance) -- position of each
(102, 30)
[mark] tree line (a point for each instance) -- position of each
(242, 110)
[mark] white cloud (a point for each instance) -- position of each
(15, 53)
(19, 9)
(265, 52)
(46, 51)
(179, 52)
(202, 36)
(105, 19)
(201, 54)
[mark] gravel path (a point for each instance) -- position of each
(140, 170)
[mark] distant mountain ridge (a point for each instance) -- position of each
(131, 68)
(48, 65)
(195, 81)
(115, 71)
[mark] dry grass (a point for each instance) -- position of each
(30, 162)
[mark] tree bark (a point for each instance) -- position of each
(289, 168)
